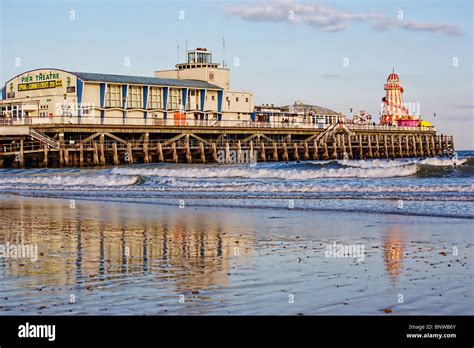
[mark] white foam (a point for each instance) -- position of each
(255, 173)
(442, 162)
(308, 187)
(57, 180)
(376, 163)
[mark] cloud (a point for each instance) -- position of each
(448, 29)
(327, 18)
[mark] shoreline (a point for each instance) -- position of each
(249, 207)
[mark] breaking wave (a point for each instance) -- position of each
(255, 173)
(57, 180)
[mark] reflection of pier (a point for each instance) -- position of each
(393, 253)
(192, 253)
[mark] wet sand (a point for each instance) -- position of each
(121, 258)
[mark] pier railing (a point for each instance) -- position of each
(171, 122)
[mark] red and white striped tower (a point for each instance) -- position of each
(393, 108)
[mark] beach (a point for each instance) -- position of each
(114, 258)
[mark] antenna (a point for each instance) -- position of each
(223, 52)
(186, 49)
(178, 62)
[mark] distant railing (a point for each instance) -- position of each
(171, 122)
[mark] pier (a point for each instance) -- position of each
(81, 145)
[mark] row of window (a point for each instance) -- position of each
(237, 99)
(155, 97)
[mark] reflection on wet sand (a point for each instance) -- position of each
(393, 252)
(194, 254)
(141, 259)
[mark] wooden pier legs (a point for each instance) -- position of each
(146, 158)
(433, 146)
(102, 150)
(227, 153)
(306, 151)
(102, 154)
(453, 149)
(315, 150)
(214, 152)
(45, 156)
(385, 146)
(115, 158)
(296, 156)
(81, 154)
(400, 149)
(61, 149)
(415, 153)
(334, 147)
(275, 152)
(129, 154)
(369, 142)
(377, 146)
(21, 155)
(96, 155)
(252, 159)
(189, 158)
(239, 152)
(159, 149)
(285, 153)
(263, 157)
(174, 152)
(407, 146)
(351, 155)
(392, 143)
(420, 146)
(203, 154)
(66, 157)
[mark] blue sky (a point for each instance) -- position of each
(280, 59)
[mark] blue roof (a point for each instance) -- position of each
(144, 80)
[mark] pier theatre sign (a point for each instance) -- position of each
(39, 81)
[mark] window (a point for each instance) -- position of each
(236, 99)
(113, 96)
(86, 110)
(175, 99)
(213, 97)
(156, 98)
(135, 97)
(246, 100)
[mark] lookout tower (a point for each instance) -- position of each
(393, 108)
(198, 58)
(199, 66)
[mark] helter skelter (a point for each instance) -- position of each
(394, 112)
(393, 108)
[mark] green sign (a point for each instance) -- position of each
(39, 77)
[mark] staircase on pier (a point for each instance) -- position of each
(43, 138)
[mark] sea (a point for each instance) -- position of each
(442, 187)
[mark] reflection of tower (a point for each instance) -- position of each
(393, 253)
(393, 108)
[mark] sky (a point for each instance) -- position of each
(335, 54)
